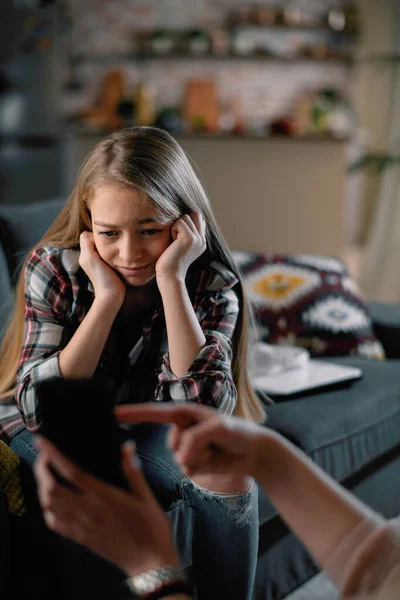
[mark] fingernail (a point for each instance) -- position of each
(38, 442)
(48, 517)
(131, 448)
(130, 445)
(137, 462)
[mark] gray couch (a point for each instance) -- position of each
(352, 432)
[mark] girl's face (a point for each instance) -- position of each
(126, 233)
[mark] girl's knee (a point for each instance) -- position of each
(223, 484)
(164, 480)
(234, 499)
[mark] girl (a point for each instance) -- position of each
(134, 282)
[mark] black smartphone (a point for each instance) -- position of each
(77, 415)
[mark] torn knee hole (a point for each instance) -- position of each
(209, 492)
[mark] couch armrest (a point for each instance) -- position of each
(6, 292)
(386, 319)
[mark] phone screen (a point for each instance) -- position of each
(78, 417)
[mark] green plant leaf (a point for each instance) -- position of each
(382, 59)
(376, 162)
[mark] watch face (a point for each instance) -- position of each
(154, 580)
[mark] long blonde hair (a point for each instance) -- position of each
(151, 161)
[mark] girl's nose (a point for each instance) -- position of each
(130, 251)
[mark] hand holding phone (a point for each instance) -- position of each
(77, 415)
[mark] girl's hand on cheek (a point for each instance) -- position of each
(188, 243)
(105, 281)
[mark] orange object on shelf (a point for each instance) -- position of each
(200, 106)
(104, 115)
(302, 114)
(145, 112)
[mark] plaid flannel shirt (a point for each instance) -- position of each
(58, 295)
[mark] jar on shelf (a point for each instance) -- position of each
(162, 43)
(336, 20)
(144, 104)
(243, 43)
(291, 17)
(220, 42)
(264, 15)
(198, 43)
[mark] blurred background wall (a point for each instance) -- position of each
(272, 100)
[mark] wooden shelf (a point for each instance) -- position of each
(78, 130)
(107, 59)
(324, 27)
(179, 37)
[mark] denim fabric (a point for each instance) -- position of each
(216, 534)
(24, 445)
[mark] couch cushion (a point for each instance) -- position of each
(346, 428)
(309, 301)
(6, 241)
(25, 225)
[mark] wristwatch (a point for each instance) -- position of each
(159, 583)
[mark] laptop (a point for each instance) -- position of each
(315, 375)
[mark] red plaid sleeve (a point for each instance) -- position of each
(209, 379)
(47, 305)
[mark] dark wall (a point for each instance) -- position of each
(30, 136)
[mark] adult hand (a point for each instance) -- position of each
(129, 529)
(204, 441)
(189, 242)
(105, 281)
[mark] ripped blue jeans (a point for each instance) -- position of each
(225, 527)
(215, 533)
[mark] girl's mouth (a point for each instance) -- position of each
(133, 270)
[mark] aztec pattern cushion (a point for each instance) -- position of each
(308, 301)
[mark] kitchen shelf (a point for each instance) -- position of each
(78, 130)
(300, 27)
(144, 51)
(138, 57)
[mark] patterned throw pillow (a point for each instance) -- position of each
(309, 301)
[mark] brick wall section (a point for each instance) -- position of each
(266, 88)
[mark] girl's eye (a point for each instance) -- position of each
(108, 233)
(148, 232)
